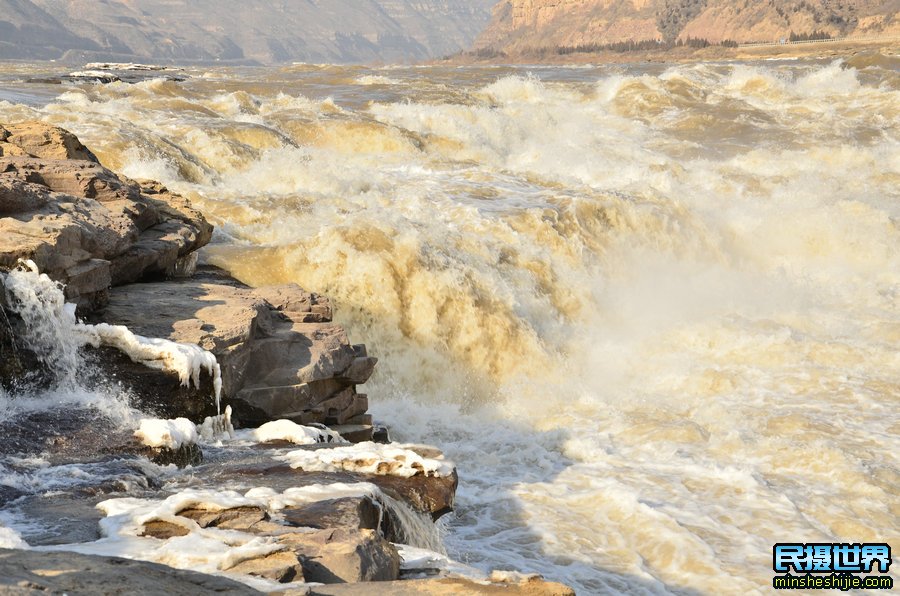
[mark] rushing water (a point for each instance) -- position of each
(650, 311)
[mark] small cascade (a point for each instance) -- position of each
(56, 336)
(52, 332)
(410, 526)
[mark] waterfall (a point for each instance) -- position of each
(56, 336)
(410, 526)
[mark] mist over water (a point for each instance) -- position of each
(651, 312)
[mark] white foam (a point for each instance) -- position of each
(9, 538)
(376, 80)
(93, 74)
(208, 550)
(186, 360)
(369, 458)
(101, 66)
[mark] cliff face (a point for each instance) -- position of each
(267, 31)
(520, 24)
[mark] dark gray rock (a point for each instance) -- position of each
(38, 572)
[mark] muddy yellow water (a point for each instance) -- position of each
(652, 312)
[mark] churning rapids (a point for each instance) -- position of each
(651, 312)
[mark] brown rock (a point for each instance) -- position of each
(361, 369)
(42, 572)
(17, 196)
(163, 530)
(43, 140)
(282, 566)
(236, 518)
(433, 495)
(273, 367)
(355, 513)
(89, 228)
(343, 555)
(304, 307)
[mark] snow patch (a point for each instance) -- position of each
(172, 434)
(370, 458)
(285, 430)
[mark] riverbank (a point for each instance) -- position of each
(824, 49)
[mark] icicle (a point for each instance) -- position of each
(216, 428)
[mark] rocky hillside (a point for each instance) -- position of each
(266, 31)
(523, 24)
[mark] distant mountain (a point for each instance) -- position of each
(523, 24)
(266, 31)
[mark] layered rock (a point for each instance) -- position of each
(520, 25)
(82, 224)
(281, 355)
(338, 551)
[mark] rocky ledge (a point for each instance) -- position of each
(253, 389)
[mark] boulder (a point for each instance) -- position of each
(354, 513)
(89, 228)
(41, 572)
(281, 566)
(275, 364)
(37, 139)
(432, 495)
(344, 555)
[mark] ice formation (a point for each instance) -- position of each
(56, 335)
(369, 458)
(216, 428)
(425, 560)
(172, 434)
(285, 430)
